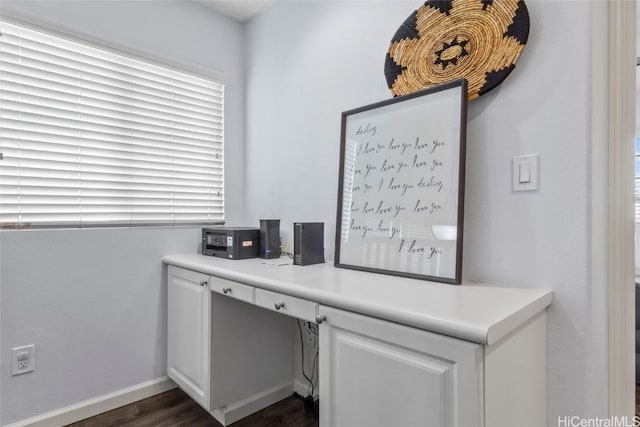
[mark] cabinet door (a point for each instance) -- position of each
(188, 332)
(378, 373)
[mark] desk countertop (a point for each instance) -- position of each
(476, 312)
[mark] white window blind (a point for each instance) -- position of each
(92, 137)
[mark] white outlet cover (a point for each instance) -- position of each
(22, 354)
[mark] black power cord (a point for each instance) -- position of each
(302, 348)
(310, 406)
(314, 368)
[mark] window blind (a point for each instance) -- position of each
(94, 137)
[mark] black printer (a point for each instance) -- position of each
(231, 242)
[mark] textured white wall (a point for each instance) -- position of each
(306, 62)
(92, 300)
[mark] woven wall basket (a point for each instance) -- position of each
(479, 40)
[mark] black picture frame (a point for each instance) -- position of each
(394, 215)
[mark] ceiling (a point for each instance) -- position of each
(241, 10)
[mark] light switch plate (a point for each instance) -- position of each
(524, 173)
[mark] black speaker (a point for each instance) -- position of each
(269, 238)
(308, 243)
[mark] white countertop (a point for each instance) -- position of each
(481, 313)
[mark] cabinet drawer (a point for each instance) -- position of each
(232, 289)
(291, 306)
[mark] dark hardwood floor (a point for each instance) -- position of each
(175, 408)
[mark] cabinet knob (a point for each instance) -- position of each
(320, 318)
(203, 283)
(278, 305)
(226, 290)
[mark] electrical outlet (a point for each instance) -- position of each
(309, 334)
(23, 359)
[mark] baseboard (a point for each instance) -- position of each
(98, 405)
(236, 411)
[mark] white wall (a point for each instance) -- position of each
(92, 303)
(306, 62)
(92, 300)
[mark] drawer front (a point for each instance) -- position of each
(291, 306)
(232, 289)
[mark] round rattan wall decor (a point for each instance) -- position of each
(479, 40)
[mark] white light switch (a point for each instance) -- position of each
(525, 172)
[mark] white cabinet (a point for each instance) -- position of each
(188, 332)
(378, 373)
(230, 356)
(393, 352)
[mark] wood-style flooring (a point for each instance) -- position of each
(175, 408)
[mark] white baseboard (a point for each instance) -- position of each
(236, 411)
(98, 405)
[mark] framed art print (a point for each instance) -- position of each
(401, 185)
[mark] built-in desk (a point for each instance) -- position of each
(393, 351)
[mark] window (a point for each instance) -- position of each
(93, 137)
